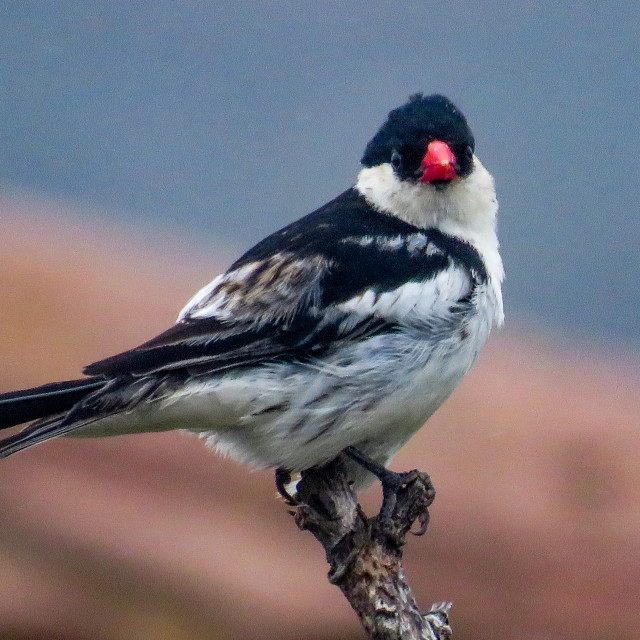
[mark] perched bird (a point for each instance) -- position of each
(345, 330)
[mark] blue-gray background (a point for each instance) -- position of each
(222, 121)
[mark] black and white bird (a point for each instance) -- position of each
(346, 329)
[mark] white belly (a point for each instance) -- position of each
(374, 397)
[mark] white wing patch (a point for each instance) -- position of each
(414, 243)
(414, 302)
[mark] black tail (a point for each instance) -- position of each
(53, 399)
(36, 432)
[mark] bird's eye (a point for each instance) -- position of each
(396, 160)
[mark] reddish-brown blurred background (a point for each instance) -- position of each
(535, 530)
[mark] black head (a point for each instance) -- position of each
(404, 141)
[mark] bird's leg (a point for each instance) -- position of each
(392, 483)
(283, 478)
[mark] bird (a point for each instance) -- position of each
(337, 336)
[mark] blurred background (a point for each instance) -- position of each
(142, 148)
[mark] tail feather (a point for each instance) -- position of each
(35, 433)
(48, 405)
(61, 408)
(18, 407)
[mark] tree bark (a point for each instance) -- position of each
(365, 554)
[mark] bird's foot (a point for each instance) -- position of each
(408, 494)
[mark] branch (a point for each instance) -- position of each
(365, 554)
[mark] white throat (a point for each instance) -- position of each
(466, 209)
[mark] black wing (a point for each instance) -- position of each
(282, 299)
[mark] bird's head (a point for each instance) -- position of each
(421, 167)
(427, 140)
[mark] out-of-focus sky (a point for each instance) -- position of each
(222, 121)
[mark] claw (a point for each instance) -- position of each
(392, 483)
(424, 524)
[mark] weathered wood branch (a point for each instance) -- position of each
(365, 554)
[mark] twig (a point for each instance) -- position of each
(365, 554)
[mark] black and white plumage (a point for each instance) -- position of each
(349, 327)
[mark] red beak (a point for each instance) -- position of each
(438, 163)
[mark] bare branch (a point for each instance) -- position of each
(365, 554)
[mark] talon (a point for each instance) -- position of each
(392, 483)
(283, 478)
(424, 524)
